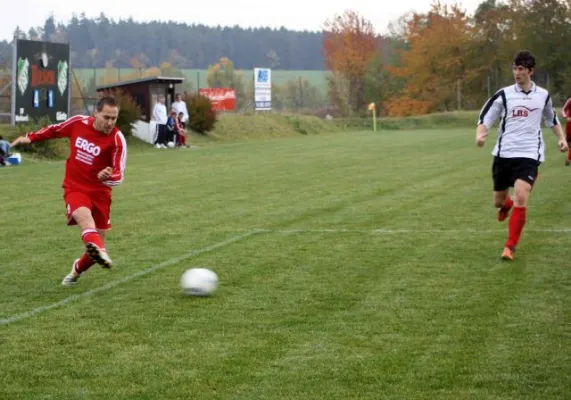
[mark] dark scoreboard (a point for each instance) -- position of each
(41, 81)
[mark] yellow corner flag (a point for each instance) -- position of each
(372, 108)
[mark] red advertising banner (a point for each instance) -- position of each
(223, 99)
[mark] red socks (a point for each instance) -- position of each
(509, 204)
(92, 236)
(83, 264)
(515, 227)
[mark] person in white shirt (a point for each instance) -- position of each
(160, 117)
(180, 107)
(519, 149)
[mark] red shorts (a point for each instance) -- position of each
(568, 130)
(98, 203)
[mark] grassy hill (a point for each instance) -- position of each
(241, 128)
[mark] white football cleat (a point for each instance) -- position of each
(71, 278)
(99, 255)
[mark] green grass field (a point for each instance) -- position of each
(352, 266)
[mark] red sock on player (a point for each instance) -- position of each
(83, 264)
(515, 227)
(92, 236)
(508, 205)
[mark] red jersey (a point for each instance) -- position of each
(567, 109)
(90, 152)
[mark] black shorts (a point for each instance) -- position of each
(505, 171)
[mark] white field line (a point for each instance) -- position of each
(250, 232)
(110, 285)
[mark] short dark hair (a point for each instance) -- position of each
(1, 137)
(106, 101)
(525, 59)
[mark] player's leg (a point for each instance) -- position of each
(503, 180)
(101, 217)
(517, 220)
(80, 208)
(75, 201)
(85, 262)
(527, 173)
(100, 255)
(90, 235)
(503, 202)
(81, 264)
(79, 212)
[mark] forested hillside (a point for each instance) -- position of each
(440, 60)
(95, 41)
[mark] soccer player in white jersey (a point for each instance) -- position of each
(519, 149)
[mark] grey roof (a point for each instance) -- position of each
(152, 79)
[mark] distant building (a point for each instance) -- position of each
(145, 92)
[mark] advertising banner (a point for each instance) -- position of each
(223, 99)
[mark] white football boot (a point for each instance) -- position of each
(71, 278)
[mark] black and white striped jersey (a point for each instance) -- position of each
(520, 113)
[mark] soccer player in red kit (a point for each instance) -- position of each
(566, 113)
(520, 148)
(98, 155)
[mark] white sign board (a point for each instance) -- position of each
(262, 89)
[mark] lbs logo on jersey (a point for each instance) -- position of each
(522, 112)
(87, 146)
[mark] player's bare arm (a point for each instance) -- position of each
(481, 134)
(20, 140)
(561, 140)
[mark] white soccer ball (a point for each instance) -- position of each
(170, 144)
(198, 282)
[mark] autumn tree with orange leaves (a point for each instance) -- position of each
(223, 75)
(436, 65)
(349, 45)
